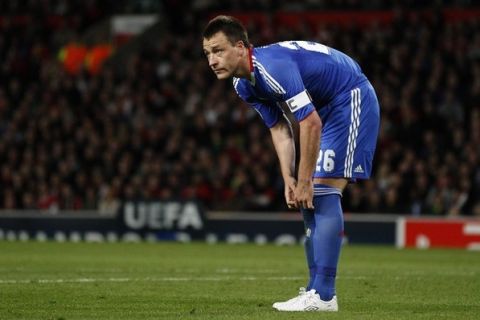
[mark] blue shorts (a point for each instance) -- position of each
(349, 135)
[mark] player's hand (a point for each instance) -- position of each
(290, 185)
(304, 194)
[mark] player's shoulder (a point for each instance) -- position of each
(273, 68)
(239, 84)
(270, 57)
(242, 87)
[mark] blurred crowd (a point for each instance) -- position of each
(164, 128)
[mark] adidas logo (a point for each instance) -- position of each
(358, 169)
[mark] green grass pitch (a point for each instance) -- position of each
(200, 281)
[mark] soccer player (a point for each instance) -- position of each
(338, 116)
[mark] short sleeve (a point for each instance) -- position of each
(269, 111)
(284, 82)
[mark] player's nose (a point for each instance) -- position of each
(212, 61)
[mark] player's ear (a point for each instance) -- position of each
(240, 48)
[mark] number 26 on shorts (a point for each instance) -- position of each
(326, 160)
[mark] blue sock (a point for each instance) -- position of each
(309, 221)
(326, 239)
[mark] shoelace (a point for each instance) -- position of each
(310, 294)
(301, 291)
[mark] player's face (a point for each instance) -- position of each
(223, 57)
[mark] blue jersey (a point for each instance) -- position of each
(310, 77)
(305, 75)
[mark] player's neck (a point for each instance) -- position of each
(245, 69)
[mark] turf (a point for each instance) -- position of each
(200, 281)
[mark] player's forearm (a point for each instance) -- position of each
(310, 134)
(284, 143)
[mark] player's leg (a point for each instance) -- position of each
(327, 239)
(346, 153)
(347, 147)
(323, 238)
(309, 222)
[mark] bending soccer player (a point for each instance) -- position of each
(338, 115)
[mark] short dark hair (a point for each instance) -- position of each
(230, 26)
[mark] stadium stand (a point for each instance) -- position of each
(162, 128)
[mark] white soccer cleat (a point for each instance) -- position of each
(301, 292)
(309, 301)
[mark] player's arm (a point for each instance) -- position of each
(287, 84)
(282, 137)
(310, 134)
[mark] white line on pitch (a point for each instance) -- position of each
(224, 278)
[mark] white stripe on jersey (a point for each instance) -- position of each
(268, 78)
(353, 131)
(235, 83)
